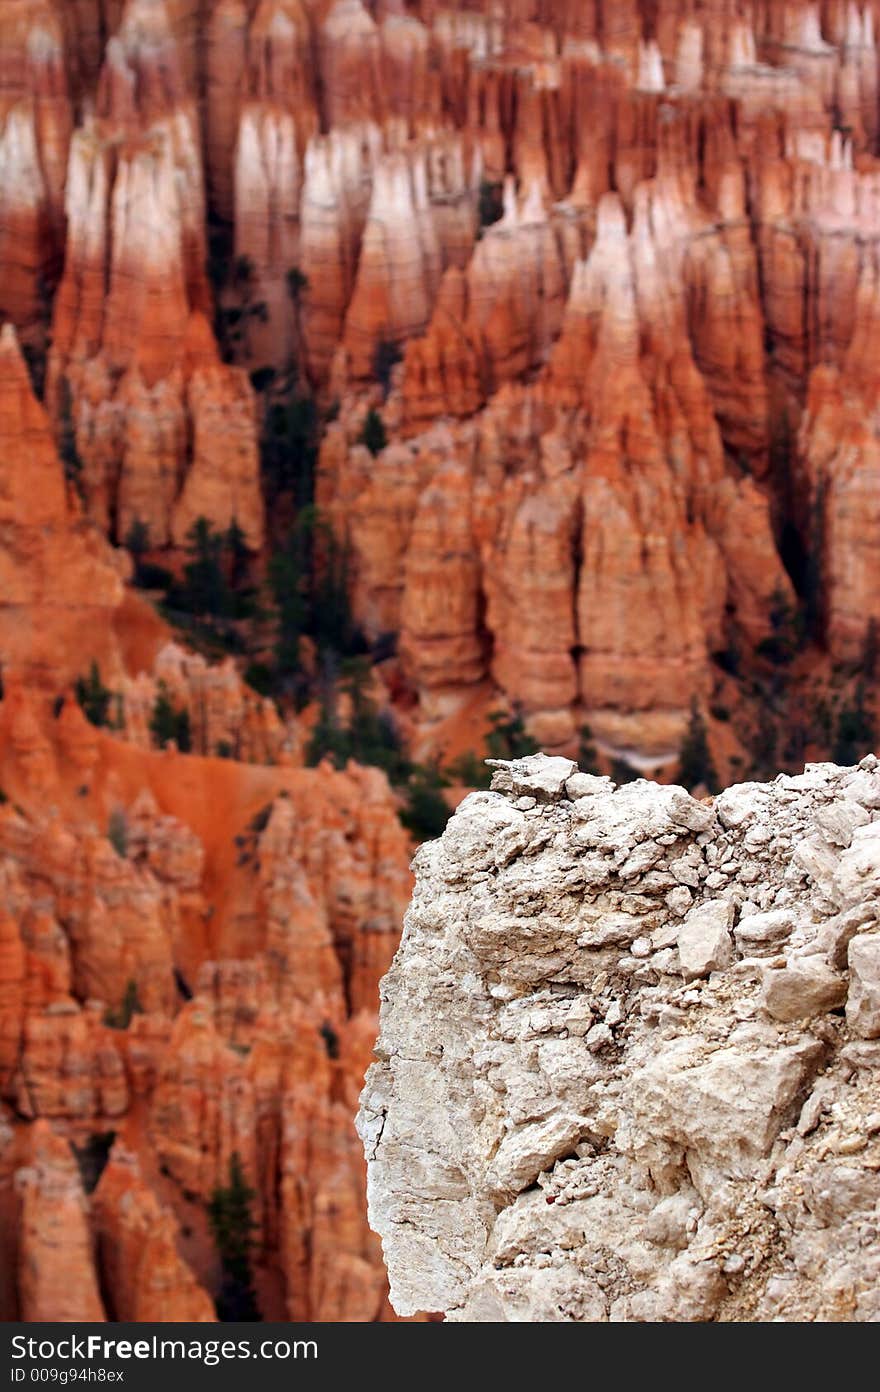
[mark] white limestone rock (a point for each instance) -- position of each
(805, 987)
(763, 933)
(614, 1080)
(537, 775)
(704, 941)
(863, 1002)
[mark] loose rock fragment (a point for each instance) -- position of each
(863, 1002)
(807, 986)
(704, 941)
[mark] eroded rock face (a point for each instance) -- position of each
(615, 1075)
(246, 914)
(624, 406)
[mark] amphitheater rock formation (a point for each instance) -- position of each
(582, 300)
(627, 253)
(627, 1065)
(189, 956)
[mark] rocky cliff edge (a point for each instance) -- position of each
(629, 1054)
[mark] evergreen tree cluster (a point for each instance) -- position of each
(214, 576)
(368, 736)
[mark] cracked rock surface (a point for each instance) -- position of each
(629, 1054)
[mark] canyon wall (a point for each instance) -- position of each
(608, 275)
(582, 300)
(190, 945)
(189, 956)
(627, 1063)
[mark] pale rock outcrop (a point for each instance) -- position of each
(615, 1078)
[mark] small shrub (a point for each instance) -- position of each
(153, 577)
(297, 283)
(870, 650)
(588, 758)
(260, 676)
(470, 770)
(426, 812)
(854, 732)
(795, 744)
(262, 378)
(788, 633)
(822, 723)
(373, 433)
(695, 765)
(369, 737)
(137, 543)
(94, 697)
(260, 820)
(623, 772)
(121, 1017)
(508, 738)
(117, 832)
(67, 446)
(385, 358)
(490, 207)
(331, 1040)
(92, 1158)
(729, 658)
(764, 748)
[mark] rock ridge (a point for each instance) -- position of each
(628, 1053)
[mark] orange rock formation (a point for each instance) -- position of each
(609, 274)
(250, 912)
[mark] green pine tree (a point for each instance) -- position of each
(235, 545)
(121, 1017)
(490, 207)
(695, 765)
(167, 723)
(230, 1214)
(205, 590)
(385, 358)
(287, 583)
